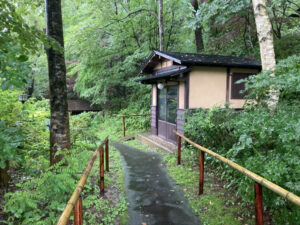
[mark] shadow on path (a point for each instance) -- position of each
(152, 195)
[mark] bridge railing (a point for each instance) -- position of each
(132, 115)
(75, 201)
(258, 180)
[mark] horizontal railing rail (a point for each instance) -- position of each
(75, 201)
(259, 181)
(123, 120)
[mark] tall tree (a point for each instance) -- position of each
(160, 25)
(198, 30)
(59, 123)
(266, 45)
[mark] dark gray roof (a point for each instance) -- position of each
(193, 59)
(168, 74)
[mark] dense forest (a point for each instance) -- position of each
(102, 44)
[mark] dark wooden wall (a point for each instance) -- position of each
(154, 120)
(180, 120)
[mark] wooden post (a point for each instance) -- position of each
(178, 150)
(258, 204)
(78, 219)
(107, 155)
(201, 175)
(101, 171)
(123, 120)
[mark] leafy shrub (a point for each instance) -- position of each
(287, 80)
(34, 125)
(81, 128)
(11, 135)
(268, 146)
(42, 199)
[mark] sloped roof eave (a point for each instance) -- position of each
(193, 59)
(154, 78)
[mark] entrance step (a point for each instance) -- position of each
(156, 142)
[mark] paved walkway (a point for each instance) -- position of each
(153, 196)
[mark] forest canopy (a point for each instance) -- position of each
(105, 42)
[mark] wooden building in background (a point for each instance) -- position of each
(183, 81)
(76, 104)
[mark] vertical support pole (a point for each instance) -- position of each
(178, 150)
(101, 155)
(258, 204)
(201, 174)
(123, 120)
(78, 219)
(107, 155)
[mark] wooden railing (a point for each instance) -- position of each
(123, 120)
(258, 180)
(75, 200)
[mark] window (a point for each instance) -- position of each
(237, 88)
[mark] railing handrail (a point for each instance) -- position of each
(258, 179)
(135, 115)
(64, 218)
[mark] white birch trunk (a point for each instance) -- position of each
(266, 45)
(160, 25)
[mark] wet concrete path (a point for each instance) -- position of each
(152, 195)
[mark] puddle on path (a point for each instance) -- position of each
(152, 195)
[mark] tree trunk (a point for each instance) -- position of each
(266, 45)
(160, 25)
(59, 123)
(4, 175)
(198, 30)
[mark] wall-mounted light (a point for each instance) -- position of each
(160, 86)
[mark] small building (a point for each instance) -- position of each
(183, 81)
(76, 104)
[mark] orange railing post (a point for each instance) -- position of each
(259, 181)
(107, 155)
(78, 218)
(101, 163)
(178, 150)
(75, 202)
(201, 174)
(258, 204)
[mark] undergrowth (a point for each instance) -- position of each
(43, 191)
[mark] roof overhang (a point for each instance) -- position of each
(154, 58)
(165, 76)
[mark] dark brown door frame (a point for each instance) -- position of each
(158, 110)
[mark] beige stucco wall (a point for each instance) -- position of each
(181, 95)
(207, 87)
(238, 103)
(154, 95)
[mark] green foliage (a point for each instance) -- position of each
(111, 40)
(267, 146)
(34, 126)
(287, 46)
(14, 69)
(11, 135)
(44, 191)
(286, 79)
(41, 200)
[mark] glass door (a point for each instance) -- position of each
(167, 112)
